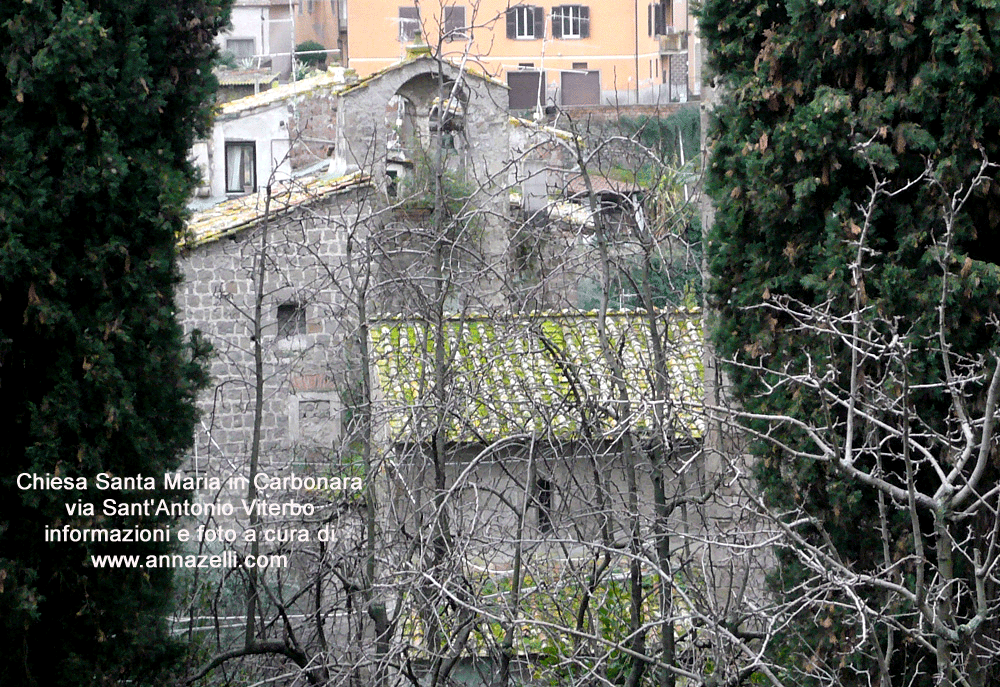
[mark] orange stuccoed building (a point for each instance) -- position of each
(599, 52)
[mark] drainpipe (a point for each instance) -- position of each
(291, 60)
(636, 52)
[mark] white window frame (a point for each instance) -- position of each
(238, 48)
(241, 166)
(569, 15)
(409, 26)
(524, 22)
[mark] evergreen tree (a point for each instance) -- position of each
(99, 106)
(821, 100)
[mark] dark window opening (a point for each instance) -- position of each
(660, 18)
(291, 320)
(392, 184)
(454, 23)
(543, 495)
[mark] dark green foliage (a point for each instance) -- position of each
(805, 84)
(314, 59)
(674, 276)
(665, 134)
(98, 109)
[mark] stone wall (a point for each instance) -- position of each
(363, 129)
(303, 330)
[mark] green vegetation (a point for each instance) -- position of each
(311, 59)
(98, 113)
(821, 101)
(675, 138)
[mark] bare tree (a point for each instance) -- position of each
(921, 445)
(534, 501)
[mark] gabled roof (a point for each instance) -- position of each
(430, 62)
(231, 216)
(533, 374)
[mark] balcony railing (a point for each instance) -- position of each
(674, 42)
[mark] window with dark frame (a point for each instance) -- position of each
(241, 167)
(454, 23)
(525, 22)
(291, 319)
(409, 23)
(660, 18)
(571, 21)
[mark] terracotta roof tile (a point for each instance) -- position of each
(236, 214)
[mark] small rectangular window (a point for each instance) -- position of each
(241, 167)
(392, 183)
(291, 320)
(580, 65)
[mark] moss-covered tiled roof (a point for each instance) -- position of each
(230, 216)
(533, 374)
(330, 79)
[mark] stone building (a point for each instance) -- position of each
(500, 245)
(300, 234)
(394, 285)
(367, 190)
(268, 136)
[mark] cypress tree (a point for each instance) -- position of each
(99, 106)
(818, 99)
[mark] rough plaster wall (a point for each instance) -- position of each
(315, 127)
(302, 407)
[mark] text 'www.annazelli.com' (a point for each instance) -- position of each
(228, 559)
